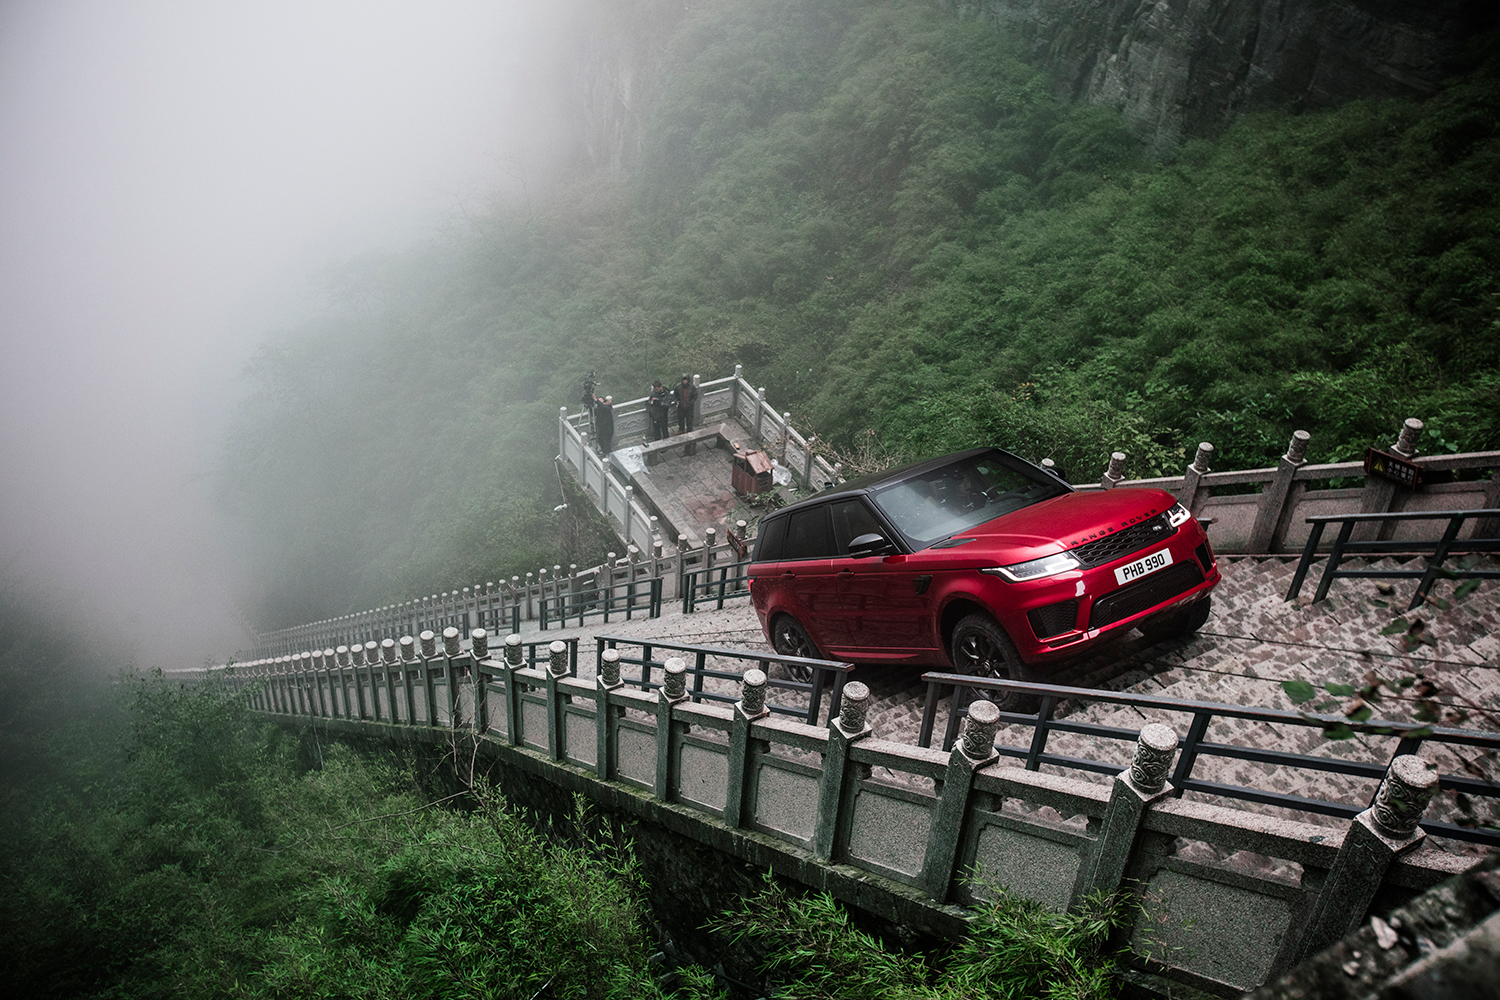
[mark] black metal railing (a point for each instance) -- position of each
(826, 675)
(622, 600)
(702, 586)
(1409, 736)
(493, 618)
(538, 654)
(1435, 551)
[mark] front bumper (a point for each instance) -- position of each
(1063, 616)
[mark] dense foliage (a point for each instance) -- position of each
(888, 218)
(1015, 948)
(163, 842)
(189, 854)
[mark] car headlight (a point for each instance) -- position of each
(1177, 515)
(1035, 569)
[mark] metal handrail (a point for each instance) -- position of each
(1410, 739)
(728, 586)
(1436, 551)
(824, 672)
(602, 602)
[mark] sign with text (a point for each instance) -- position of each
(1393, 467)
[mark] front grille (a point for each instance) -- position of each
(1054, 619)
(1123, 542)
(1147, 592)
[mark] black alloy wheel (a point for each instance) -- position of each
(789, 638)
(981, 648)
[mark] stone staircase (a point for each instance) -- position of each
(1252, 643)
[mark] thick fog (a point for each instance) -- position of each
(171, 173)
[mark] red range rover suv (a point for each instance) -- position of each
(980, 560)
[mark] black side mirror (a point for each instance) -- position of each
(871, 544)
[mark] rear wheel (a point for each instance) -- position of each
(981, 647)
(789, 638)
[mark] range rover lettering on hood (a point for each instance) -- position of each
(1081, 539)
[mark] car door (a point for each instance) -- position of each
(801, 578)
(886, 607)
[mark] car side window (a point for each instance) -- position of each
(851, 518)
(808, 535)
(772, 534)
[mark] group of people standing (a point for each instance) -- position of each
(659, 405)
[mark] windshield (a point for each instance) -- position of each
(935, 505)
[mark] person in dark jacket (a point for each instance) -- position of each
(604, 424)
(684, 396)
(656, 409)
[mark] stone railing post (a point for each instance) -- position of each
(1382, 495)
(748, 710)
(325, 682)
(1115, 473)
(453, 665)
(1376, 837)
(294, 683)
(557, 669)
(428, 639)
(479, 652)
(1188, 494)
(697, 402)
(514, 660)
(673, 692)
(354, 702)
(848, 728)
(408, 691)
(343, 656)
(273, 685)
(388, 654)
(364, 682)
(312, 688)
(1135, 789)
(604, 713)
(1278, 500)
(1489, 527)
(974, 751)
(760, 405)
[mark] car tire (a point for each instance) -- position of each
(982, 648)
(789, 638)
(1181, 623)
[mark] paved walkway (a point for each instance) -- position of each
(1252, 643)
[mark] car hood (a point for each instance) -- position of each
(1068, 521)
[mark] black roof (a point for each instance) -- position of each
(867, 484)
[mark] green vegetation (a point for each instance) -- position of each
(1015, 949)
(886, 216)
(191, 855)
(166, 843)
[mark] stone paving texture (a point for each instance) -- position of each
(1251, 644)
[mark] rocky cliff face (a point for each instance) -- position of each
(622, 52)
(1185, 68)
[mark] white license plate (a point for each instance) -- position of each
(1143, 566)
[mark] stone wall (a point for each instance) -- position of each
(891, 829)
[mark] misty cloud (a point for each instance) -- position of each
(169, 175)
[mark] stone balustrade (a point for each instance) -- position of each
(894, 829)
